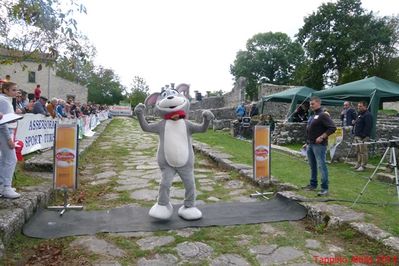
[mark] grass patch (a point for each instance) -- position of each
(22, 179)
(344, 182)
(31, 251)
(294, 146)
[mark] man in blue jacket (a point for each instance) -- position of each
(363, 126)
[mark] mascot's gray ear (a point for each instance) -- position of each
(184, 89)
(152, 99)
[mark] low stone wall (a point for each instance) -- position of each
(220, 114)
(207, 103)
(288, 133)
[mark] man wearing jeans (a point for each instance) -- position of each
(318, 128)
(363, 126)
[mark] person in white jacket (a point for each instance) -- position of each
(8, 159)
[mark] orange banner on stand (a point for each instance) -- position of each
(65, 156)
(261, 153)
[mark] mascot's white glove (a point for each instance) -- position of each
(208, 115)
(139, 109)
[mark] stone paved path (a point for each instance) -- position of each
(131, 176)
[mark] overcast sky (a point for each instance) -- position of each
(190, 41)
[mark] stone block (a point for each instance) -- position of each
(11, 222)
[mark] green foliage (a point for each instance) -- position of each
(75, 70)
(35, 28)
(214, 93)
(344, 42)
(269, 57)
(139, 91)
(104, 87)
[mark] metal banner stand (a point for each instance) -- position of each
(66, 206)
(260, 194)
(261, 159)
(65, 163)
(393, 163)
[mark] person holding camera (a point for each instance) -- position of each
(362, 129)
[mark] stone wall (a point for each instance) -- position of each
(51, 85)
(276, 110)
(267, 89)
(208, 103)
(220, 114)
(237, 94)
(230, 99)
(288, 133)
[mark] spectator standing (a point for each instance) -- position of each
(85, 109)
(240, 111)
(20, 109)
(40, 106)
(267, 120)
(29, 107)
(51, 107)
(60, 109)
(37, 92)
(254, 110)
(8, 158)
(362, 129)
(348, 115)
(319, 127)
(24, 98)
(301, 113)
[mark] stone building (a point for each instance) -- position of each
(27, 74)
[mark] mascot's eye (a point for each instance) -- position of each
(163, 94)
(174, 92)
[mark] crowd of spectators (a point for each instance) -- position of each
(55, 107)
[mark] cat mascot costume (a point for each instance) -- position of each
(175, 151)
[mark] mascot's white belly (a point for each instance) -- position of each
(176, 143)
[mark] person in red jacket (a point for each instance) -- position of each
(37, 92)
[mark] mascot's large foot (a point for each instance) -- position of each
(161, 212)
(191, 213)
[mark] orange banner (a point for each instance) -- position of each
(261, 153)
(65, 156)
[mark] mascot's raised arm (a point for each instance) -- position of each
(175, 150)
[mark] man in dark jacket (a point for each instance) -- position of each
(319, 127)
(40, 106)
(363, 126)
(348, 115)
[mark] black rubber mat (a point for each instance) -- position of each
(49, 224)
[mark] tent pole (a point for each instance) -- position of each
(292, 109)
(373, 107)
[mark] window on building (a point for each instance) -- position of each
(32, 76)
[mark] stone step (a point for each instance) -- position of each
(385, 177)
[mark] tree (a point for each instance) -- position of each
(269, 57)
(139, 91)
(104, 87)
(32, 28)
(75, 68)
(344, 42)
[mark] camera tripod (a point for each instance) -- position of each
(392, 163)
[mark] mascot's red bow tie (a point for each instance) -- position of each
(175, 115)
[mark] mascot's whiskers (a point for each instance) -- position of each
(175, 151)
